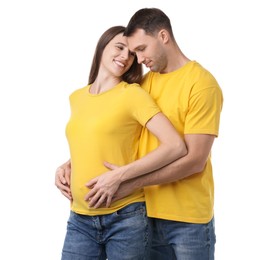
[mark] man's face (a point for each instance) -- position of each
(148, 49)
(143, 45)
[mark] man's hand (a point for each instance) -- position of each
(98, 197)
(103, 187)
(62, 179)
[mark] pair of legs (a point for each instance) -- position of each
(125, 234)
(173, 240)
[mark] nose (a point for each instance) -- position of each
(140, 58)
(125, 55)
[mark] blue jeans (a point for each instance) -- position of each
(125, 234)
(174, 240)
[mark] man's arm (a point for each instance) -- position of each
(199, 147)
(62, 179)
(171, 147)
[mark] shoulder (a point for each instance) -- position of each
(136, 94)
(201, 73)
(126, 85)
(78, 92)
(201, 77)
(134, 88)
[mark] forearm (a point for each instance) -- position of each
(171, 147)
(180, 169)
(199, 147)
(154, 160)
(105, 186)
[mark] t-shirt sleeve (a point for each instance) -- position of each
(203, 115)
(142, 105)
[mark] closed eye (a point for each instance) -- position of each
(120, 47)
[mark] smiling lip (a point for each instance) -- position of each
(119, 63)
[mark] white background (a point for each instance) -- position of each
(46, 49)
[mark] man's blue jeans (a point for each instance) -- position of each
(173, 240)
(125, 234)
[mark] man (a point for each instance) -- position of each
(180, 196)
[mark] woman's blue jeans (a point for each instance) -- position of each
(125, 234)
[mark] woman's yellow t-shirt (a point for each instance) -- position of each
(105, 127)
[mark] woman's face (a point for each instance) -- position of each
(116, 57)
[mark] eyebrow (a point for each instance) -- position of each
(139, 46)
(121, 43)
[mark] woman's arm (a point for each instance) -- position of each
(171, 148)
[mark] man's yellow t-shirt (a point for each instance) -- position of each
(192, 99)
(105, 127)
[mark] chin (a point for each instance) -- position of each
(153, 69)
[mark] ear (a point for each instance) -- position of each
(164, 36)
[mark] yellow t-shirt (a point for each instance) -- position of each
(192, 99)
(105, 127)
